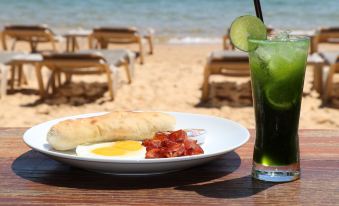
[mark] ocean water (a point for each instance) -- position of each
(173, 20)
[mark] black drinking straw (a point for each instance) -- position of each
(258, 9)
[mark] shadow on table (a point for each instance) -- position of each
(233, 188)
(38, 168)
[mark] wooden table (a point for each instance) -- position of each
(28, 177)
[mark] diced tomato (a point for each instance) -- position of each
(192, 147)
(154, 153)
(176, 150)
(178, 136)
(161, 136)
(171, 144)
(152, 143)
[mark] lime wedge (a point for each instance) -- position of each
(244, 28)
(280, 97)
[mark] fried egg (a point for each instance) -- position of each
(120, 149)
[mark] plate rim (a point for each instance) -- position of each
(134, 161)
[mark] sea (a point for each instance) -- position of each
(174, 21)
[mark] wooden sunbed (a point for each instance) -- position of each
(326, 66)
(103, 36)
(84, 63)
(32, 34)
(331, 59)
(5, 58)
(227, 63)
(325, 35)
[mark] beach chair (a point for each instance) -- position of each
(103, 36)
(5, 68)
(325, 35)
(3, 80)
(331, 59)
(226, 63)
(227, 44)
(32, 34)
(84, 63)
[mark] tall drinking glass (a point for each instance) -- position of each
(277, 72)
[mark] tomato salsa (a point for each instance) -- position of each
(171, 144)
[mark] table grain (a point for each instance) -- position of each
(28, 177)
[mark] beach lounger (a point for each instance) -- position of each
(325, 35)
(317, 62)
(227, 44)
(84, 63)
(227, 63)
(325, 66)
(103, 36)
(4, 59)
(32, 34)
(5, 67)
(118, 57)
(331, 59)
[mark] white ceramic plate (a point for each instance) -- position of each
(222, 136)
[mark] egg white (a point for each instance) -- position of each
(86, 151)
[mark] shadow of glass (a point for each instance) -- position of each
(36, 167)
(234, 188)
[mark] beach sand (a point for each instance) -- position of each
(170, 80)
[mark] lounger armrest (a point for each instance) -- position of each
(227, 44)
(228, 56)
(315, 58)
(59, 38)
(151, 31)
(73, 56)
(330, 57)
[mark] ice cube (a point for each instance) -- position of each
(265, 53)
(281, 36)
(286, 61)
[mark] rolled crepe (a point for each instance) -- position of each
(114, 126)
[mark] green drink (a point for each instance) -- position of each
(277, 72)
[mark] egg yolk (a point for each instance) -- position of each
(118, 149)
